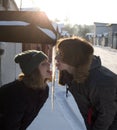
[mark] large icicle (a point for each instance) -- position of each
(53, 76)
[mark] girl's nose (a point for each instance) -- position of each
(49, 64)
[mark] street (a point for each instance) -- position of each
(108, 57)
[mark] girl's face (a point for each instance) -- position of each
(44, 68)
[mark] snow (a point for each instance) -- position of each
(65, 115)
(48, 32)
(108, 57)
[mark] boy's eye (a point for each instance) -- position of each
(60, 55)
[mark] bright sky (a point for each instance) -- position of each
(77, 11)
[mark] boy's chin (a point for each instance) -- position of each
(65, 77)
(61, 77)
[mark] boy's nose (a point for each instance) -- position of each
(57, 57)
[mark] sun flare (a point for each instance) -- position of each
(77, 11)
(54, 9)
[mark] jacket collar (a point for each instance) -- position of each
(96, 62)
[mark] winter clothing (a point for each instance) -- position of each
(78, 55)
(96, 97)
(29, 60)
(19, 105)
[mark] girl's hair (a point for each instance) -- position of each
(33, 80)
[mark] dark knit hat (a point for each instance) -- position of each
(75, 51)
(29, 60)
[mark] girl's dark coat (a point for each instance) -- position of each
(19, 105)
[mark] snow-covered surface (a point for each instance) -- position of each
(66, 115)
(47, 32)
(13, 23)
(108, 57)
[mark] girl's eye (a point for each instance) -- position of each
(45, 63)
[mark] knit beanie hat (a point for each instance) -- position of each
(75, 51)
(29, 60)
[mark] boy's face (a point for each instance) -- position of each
(61, 65)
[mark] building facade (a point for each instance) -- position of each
(105, 34)
(8, 69)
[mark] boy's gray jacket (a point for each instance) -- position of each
(99, 93)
